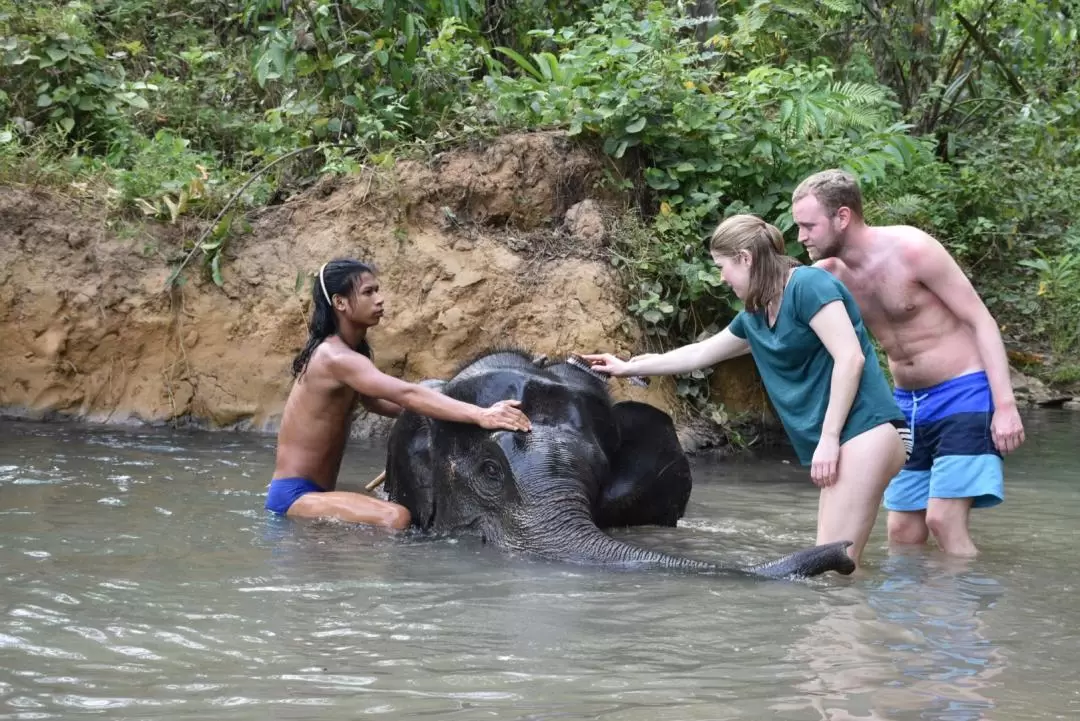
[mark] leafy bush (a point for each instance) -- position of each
(53, 72)
(962, 121)
(710, 142)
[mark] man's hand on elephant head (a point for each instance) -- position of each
(504, 415)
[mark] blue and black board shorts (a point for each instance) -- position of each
(953, 453)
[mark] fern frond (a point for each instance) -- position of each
(749, 22)
(859, 93)
(862, 117)
(794, 9)
(843, 7)
(903, 208)
(691, 23)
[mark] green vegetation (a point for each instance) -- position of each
(960, 116)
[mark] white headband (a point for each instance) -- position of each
(323, 284)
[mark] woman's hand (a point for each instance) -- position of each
(607, 363)
(826, 461)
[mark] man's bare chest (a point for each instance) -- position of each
(885, 295)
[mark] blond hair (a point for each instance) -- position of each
(769, 261)
(834, 189)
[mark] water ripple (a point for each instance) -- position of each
(191, 602)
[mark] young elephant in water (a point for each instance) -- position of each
(587, 464)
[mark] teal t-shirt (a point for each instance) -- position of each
(796, 367)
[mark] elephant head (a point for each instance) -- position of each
(587, 464)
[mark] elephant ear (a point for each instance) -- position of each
(650, 477)
(410, 472)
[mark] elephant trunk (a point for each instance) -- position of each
(808, 562)
(589, 545)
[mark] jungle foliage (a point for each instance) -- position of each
(959, 116)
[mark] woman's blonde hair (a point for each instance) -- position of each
(770, 262)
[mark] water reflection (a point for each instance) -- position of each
(910, 643)
(186, 600)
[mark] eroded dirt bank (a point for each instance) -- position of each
(475, 249)
(504, 244)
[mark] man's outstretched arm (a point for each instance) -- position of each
(381, 406)
(359, 373)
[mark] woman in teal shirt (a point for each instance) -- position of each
(814, 356)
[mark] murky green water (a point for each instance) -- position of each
(142, 580)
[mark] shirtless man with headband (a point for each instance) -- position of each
(333, 372)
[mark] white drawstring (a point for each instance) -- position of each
(914, 409)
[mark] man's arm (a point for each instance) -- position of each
(936, 269)
(360, 374)
(380, 406)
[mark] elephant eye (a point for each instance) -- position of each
(492, 469)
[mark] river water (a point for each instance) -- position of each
(143, 580)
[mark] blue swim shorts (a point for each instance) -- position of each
(283, 493)
(953, 453)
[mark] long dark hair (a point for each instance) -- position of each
(338, 277)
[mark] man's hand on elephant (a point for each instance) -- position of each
(504, 415)
(607, 363)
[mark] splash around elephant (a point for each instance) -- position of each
(588, 463)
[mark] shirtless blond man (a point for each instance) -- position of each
(333, 373)
(945, 353)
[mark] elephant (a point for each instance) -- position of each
(588, 464)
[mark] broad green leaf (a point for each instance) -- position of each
(134, 99)
(262, 70)
(277, 57)
(709, 278)
(521, 62)
(548, 65)
(659, 180)
(344, 60)
(636, 126)
(412, 45)
(215, 270)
